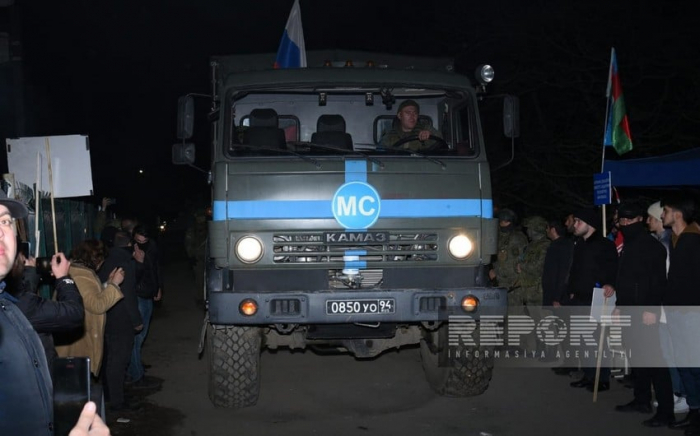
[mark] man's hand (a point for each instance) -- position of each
(649, 318)
(139, 327)
(89, 423)
(106, 202)
(492, 274)
(139, 254)
(424, 135)
(159, 295)
(608, 291)
(556, 304)
(59, 265)
(116, 276)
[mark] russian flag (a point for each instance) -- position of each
(292, 51)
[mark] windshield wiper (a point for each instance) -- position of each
(345, 151)
(316, 163)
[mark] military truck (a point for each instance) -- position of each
(324, 238)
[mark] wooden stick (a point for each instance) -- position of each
(53, 206)
(37, 201)
(600, 353)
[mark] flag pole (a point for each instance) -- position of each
(608, 93)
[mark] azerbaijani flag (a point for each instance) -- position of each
(617, 126)
(292, 51)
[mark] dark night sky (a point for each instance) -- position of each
(114, 70)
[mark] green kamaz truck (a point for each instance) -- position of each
(325, 237)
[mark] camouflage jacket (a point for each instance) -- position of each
(395, 134)
(510, 248)
(532, 263)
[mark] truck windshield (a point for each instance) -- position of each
(263, 125)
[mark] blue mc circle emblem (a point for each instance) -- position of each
(356, 205)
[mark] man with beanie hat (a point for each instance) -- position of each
(639, 287)
(594, 265)
(408, 125)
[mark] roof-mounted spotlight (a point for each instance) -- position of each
(484, 75)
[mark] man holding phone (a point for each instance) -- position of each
(26, 396)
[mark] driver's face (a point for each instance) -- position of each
(408, 117)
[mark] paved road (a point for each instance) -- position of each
(305, 394)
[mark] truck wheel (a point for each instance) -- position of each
(468, 375)
(234, 365)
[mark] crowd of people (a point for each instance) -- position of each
(101, 309)
(649, 262)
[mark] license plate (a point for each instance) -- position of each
(351, 307)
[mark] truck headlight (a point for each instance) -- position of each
(249, 249)
(460, 247)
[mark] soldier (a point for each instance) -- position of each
(530, 267)
(511, 244)
(408, 125)
(529, 270)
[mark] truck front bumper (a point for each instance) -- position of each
(353, 306)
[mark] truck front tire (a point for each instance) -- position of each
(234, 365)
(470, 369)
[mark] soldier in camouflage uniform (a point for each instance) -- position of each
(408, 125)
(511, 244)
(530, 273)
(532, 262)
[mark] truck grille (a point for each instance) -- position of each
(310, 248)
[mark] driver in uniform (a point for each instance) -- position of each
(408, 126)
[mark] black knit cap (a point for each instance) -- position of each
(590, 216)
(630, 210)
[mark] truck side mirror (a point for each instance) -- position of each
(183, 154)
(185, 117)
(511, 116)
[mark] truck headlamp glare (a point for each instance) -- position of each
(249, 249)
(460, 247)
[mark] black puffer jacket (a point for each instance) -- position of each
(64, 314)
(641, 276)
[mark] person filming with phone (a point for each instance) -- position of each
(26, 396)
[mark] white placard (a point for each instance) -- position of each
(70, 163)
(600, 307)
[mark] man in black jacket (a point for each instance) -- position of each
(594, 265)
(639, 288)
(48, 316)
(682, 293)
(556, 265)
(123, 321)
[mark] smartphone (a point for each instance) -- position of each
(24, 249)
(71, 390)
